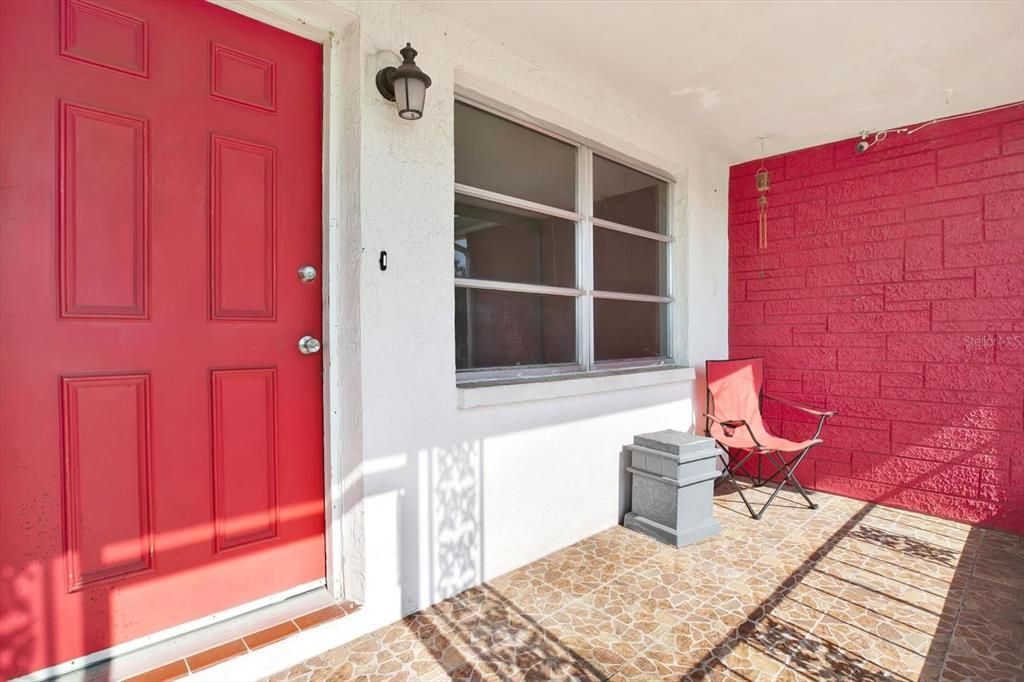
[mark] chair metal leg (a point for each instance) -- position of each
(790, 468)
(787, 470)
(727, 473)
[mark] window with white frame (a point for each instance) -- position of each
(561, 254)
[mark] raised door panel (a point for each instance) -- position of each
(242, 78)
(244, 455)
(243, 230)
(103, 37)
(103, 224)
(105, 428)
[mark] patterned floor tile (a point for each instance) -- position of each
(848, 591)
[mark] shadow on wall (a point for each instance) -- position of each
(916, 483)
(438, 488)
(919, 475)
(456, 519)
(915, 471)
(439, 491)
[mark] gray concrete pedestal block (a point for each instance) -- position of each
(673, 486)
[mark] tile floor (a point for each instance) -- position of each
(849, 591)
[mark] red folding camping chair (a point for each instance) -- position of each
(734, 420)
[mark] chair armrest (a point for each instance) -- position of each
(729, 426)
(803, 408)
(731, 423)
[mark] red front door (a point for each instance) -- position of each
(162, 453)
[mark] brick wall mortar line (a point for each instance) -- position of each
(909, 207)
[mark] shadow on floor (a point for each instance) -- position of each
(850, 591)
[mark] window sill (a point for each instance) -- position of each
(507, 391)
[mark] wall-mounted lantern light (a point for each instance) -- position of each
(406, 85)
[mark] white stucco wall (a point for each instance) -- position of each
(439, 498)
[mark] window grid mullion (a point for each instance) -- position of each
(515, 202)
(627, 296)
(669, 277)
(634, 231)
(585, 266)
(515, 287)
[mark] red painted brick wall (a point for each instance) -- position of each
(892, 290)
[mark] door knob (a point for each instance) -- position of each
(307, 273)
(309, 345)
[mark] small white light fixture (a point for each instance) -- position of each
(879, 135)
(405, 85)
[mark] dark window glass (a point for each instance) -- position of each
(629, 197)
(628, 264)
(495, 154)
(508, 244)
(510, 329)
(624, 330)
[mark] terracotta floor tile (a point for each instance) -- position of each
(328, 613)
(848, 591)
(270, 635)
(217, 654)
(171, 671)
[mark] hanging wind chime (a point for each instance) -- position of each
(763, 184)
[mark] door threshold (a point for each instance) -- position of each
(226, 638)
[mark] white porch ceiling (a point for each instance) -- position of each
(801, 73)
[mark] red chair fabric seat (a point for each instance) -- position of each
(741, 440)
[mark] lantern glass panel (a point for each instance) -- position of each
(410, 94)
